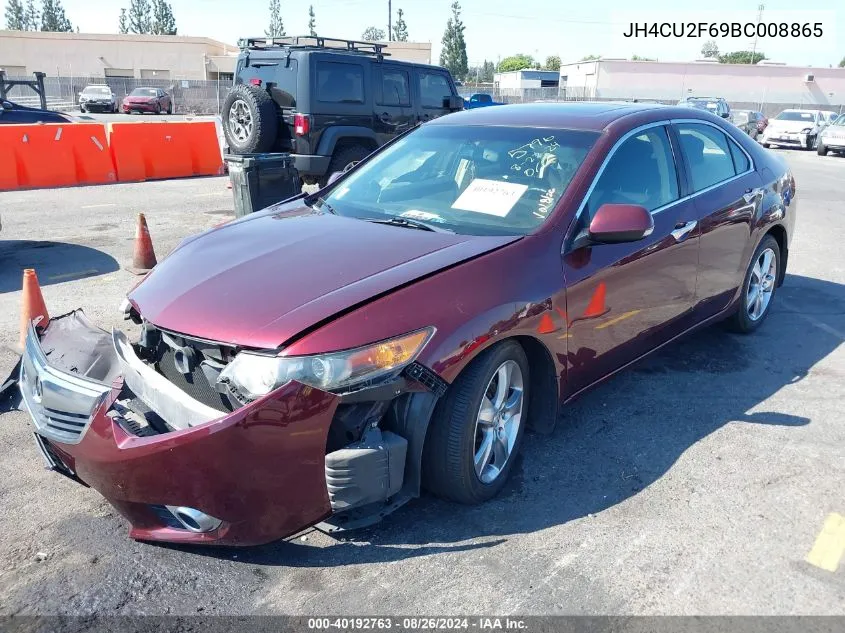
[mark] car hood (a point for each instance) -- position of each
(139, 99)
(262, 280)
(792, 127)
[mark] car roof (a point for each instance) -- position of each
(279, 53)
(582, 115)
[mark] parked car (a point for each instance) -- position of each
(142, 100)
(328, 102)
(480, 100)
(94, 98)
(14, 113)
(749, 121)
(832, 138)
(796, 128)
(716, 105)
(324, 358)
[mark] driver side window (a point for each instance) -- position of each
(641, 171)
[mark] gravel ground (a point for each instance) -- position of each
(695, 483)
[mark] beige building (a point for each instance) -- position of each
(138, 56)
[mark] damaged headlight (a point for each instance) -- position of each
(255, 375)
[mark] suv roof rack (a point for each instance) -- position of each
(313, 42)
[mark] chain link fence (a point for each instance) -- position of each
(190, 96)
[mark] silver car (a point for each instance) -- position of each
(832, 139)
(97, 98)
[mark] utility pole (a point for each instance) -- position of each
(389, 20)
(760, 8)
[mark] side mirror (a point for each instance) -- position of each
(617, 223)
(7, 105)
(334, 177)
(453, 103)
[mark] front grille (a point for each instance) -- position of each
(65, 423)
(194, 384)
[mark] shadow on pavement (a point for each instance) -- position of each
(54, 262)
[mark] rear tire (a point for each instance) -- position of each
(250, 124)
(344, 158)
(749, 315)
(82, 109)
(169, 108)
(452, 467)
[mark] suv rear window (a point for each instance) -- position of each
(340, 83)
(281, 76)
(434, 87)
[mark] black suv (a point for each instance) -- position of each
(328, 102)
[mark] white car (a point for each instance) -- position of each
(832, 139)
(99, 98)
(796, 128)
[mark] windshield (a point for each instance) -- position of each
(741, 117)
(470, 180)
(840, 120)
(702, 104)
(97, 90)
(143, 92)
(795, 115)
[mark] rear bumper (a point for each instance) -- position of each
(258, 471)
(311, 165)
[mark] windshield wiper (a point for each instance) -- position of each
(321, 201)
(409, 224)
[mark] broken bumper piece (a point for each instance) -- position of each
(246, 477)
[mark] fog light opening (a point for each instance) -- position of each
(194, 520)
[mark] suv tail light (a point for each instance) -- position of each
(255, 82)
(301, 124)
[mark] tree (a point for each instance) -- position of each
(552, 63)
(33, 17)
(15, 16)
(516, 62)
(140, 18)
(453, 55)
(122, 24)
(163, 21)
(589, 58)
(639, 58)
(373, 34)
(312, 22)
(741, 57)
(53, 17)
(400, 29)
(277, 27)
(710, 50)
(842, 63)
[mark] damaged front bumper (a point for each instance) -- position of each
(250, 476)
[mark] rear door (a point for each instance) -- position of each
(726, 190)
(433, 86)
(623, 300)
(393, 110)
(341, 95)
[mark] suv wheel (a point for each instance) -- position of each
(343, 159)
(249, 120)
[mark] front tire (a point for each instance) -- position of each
(758, 288)
(477, 427)
(821, 150)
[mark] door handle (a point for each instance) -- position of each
(683, 229)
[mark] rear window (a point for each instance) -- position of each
(795, 115)
(278, 75)
(340, 83)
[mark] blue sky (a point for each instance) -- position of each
(498, 28)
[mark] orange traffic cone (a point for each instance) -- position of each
(596, 307)
(32, 304)
(143, 256)
(546, 325)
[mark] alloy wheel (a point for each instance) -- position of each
(240, 120)
(761, 285)
(498, 420)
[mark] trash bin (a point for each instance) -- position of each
(260, 180)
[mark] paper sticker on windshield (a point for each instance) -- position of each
(423, 216)
(490, 196)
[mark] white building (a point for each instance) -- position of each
(761, 84)
(526, 79)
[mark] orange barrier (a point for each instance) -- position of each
(54, 155)
(149, 151)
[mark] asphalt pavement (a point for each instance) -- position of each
(695, 483)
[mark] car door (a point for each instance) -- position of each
(726, 190)
(393, 111)
(623, 300)
(432, 87)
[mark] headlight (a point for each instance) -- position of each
(255, 375)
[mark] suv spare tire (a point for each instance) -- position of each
(249, 120)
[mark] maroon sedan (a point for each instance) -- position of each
(142, 100)
(325, 359)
